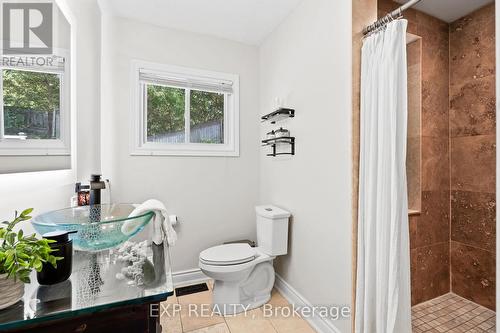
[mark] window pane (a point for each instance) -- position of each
(207, 117)
(165, 114)
(31, 104)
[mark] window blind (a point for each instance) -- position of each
(185, 81)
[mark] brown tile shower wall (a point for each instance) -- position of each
(453, 238)
(430, 230)
(472, 132)
(414, 151)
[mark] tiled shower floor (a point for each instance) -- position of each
(452, 313)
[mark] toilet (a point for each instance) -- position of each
(243, 275)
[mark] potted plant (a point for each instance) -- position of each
(19, 255)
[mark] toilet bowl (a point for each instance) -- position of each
(243, 275)
(242, 283)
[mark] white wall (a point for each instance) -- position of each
(306, 62)
(42, 191)
(214, 197)
(88, 18)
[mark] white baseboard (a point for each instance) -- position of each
(189, 277)
(320, 324)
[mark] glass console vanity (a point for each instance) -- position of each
(99, 296)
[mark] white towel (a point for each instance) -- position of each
(162, 228)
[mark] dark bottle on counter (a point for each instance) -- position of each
(63, 247)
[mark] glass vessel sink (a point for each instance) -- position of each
(97, 227)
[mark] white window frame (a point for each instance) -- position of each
(20, 146)
(138, 137)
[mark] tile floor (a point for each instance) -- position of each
(452, 313)
(192, 313)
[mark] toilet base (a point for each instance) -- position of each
(225, 309)
(232, 297)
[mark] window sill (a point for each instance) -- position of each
(16, 147)
(207, 150)
(193, 153)
(33, 152)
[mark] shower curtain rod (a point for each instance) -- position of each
(389, 17)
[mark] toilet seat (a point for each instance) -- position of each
(228, 254)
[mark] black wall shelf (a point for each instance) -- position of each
(279, 114)
(286, 144)
(275, 141)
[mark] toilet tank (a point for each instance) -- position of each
(272, 229)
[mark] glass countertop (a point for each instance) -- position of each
(97, 282)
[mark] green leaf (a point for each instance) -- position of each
(26, 212)
(52, 260)
(31, 238)
(10, 238)
(24, 272)
(9, 258)
(20, 234)
(37, 264)
(42, 242)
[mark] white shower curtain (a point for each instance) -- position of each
(383, 269)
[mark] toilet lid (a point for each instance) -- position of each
(228, 254)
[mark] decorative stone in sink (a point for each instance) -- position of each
(97, 227)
